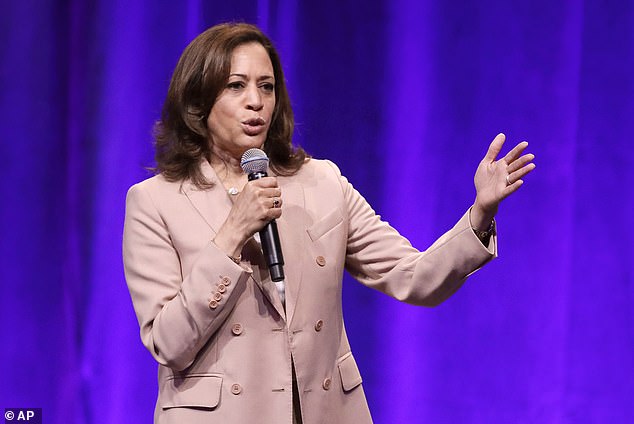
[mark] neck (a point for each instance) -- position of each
(228, 169)
(225, 164)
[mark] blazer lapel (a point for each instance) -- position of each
(212, 204)
(266, 285)
(290, 226)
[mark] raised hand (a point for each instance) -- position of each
(495, 180)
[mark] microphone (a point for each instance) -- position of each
(254, 163)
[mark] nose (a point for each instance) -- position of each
(254, 98)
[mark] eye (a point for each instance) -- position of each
(268, 87)
(235, 85)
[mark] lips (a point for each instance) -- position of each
(254, 126)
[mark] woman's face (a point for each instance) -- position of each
(241, 116)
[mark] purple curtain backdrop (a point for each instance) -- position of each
(405, 96)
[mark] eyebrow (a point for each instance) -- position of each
(263, 77)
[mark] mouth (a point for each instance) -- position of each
(254, 126)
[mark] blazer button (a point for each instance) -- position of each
(236, 329)
(236, 389)
(321, 261)
(213, 304)
(226, 281)
(217, 297)
(319, 325)
(222, 288)
(326, 384)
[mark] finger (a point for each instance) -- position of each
(276, 202)
(515, 152)
(508, 190)
(274, 213)
(495, 147)
(521, 173)
(270, 192)
(264, 182)
(518, 163)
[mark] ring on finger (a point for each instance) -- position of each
(508, 180)
(276, 203)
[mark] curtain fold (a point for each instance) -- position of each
(405, 97)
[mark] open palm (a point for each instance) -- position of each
(495, 180)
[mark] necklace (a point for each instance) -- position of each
(231, 190)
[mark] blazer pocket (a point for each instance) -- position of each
(325, 224)
(193, 391)
(349, 372)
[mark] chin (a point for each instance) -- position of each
(253, 143)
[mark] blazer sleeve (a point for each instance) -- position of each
(175, 314)
(379, 257)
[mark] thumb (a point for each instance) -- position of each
(495, 147)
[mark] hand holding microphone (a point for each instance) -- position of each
(254, 163)
(257, 205)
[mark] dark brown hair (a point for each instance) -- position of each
(202, 72)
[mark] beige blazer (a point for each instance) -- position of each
(219, 331)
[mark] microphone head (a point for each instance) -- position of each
(254, 161)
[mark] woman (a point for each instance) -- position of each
(233, 346)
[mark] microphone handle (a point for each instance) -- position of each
(270, 239)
